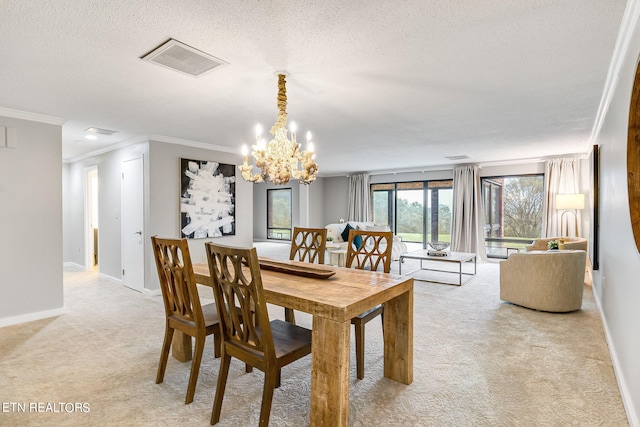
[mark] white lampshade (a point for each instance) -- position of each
(570, 201)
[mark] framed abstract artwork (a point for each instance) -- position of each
(207, 199)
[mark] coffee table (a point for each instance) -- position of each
(454, 257)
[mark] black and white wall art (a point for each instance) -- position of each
(207, 199)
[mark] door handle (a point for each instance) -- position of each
(138, 232)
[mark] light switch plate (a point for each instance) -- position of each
(12, 137)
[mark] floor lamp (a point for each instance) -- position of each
(569, 203)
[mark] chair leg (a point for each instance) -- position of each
(289, 315)
(164, 354)
(278, 378)
(267, 396)
(195, 369)
(217, 344)
(359, 350)
(222, 383)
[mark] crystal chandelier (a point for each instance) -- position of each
(281, 158)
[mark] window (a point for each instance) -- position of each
(513, 212)
(418, 211)
(279, 214)
(410, 211)
(383, 198)
(440, 195)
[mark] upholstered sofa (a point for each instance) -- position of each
(544, 280)
(334, 231)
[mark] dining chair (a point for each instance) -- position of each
(367, 250)
(263, 344)
(307, 245)
(182, 306)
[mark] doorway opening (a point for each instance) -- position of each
(91, 218)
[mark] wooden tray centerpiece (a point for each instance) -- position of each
(296, 268)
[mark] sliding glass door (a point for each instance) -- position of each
(440, 206)
(419, 211)
(410, 212)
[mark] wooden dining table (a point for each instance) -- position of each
(333, 302)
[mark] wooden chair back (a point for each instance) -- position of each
(374, 250)
(261, 344)
(182, 307)
(308, 244)
(246, 332)
(177, 281)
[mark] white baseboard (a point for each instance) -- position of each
(111, 278)
(627, 402)
(152, 292)
(74, 265)
(30, 317)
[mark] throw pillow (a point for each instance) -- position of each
(357, 241)
(345, 232)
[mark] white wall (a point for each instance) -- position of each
(31, 223)
(163, 210)
(316, 204)
(616, 283)
(336, 198)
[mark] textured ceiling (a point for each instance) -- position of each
(382, 85)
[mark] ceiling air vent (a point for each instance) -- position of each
(184, 59)
(461, 157)
(99, 131)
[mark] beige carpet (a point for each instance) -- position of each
(477, 362)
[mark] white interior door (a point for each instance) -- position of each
(133, 224)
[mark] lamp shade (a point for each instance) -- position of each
(570, 201)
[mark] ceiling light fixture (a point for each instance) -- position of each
(92, 137)
(281, 158)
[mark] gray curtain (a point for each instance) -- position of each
(562, 176)
(467, 232)
(358, 206)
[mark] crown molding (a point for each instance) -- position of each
(149, 138)
(34, 117)
(126, 143)
(195, 144)
(451, 166)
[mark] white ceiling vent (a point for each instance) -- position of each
(461, 157)
(179, 57)
(99, 131)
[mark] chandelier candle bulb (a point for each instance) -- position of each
(245, 153)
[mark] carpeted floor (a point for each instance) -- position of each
(477, 362)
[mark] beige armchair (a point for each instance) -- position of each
(544, 280)
(576, 243)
